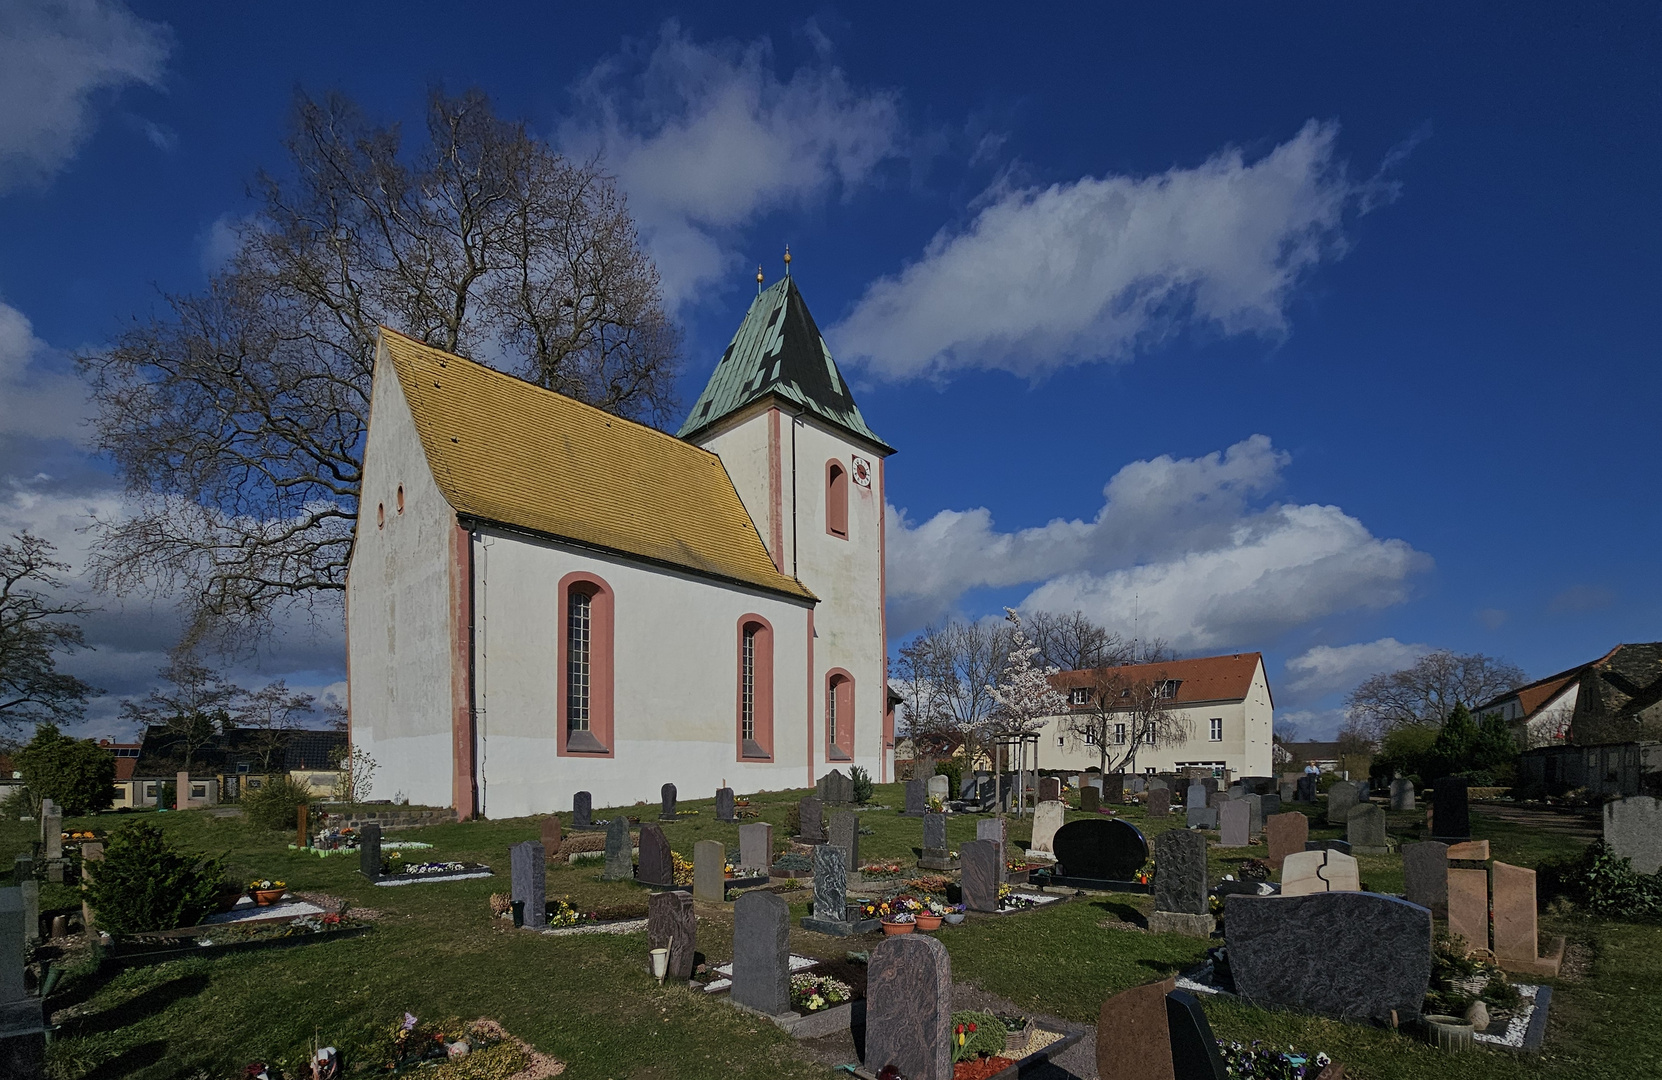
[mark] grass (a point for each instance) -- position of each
(588, 1000)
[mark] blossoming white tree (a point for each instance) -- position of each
(1024, 696)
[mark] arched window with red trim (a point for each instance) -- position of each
(839, 715)
(755, 715)
(836, 499)
(584, 683)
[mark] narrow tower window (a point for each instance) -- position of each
(836, 500)
(585, 665)
(577, 661)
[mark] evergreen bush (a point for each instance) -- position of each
(74, 773)
(276, 803)
(860, 784)
(145, 883)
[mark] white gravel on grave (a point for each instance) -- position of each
(294, 909)
(418, 879)
(627, 926)
(798, 963)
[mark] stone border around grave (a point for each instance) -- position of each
(621, 926)
(428, 879)
(1041, 1056)
(120, 959)
(1046, 902)
(815, 1025)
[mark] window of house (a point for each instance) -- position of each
(150, 791)
(1217, 729)
(1079, 695)
(199, 791)
(1119, 734)
(254, 782)
(836, 500)
(1090, 736)
(1168, 687)
(584, 684)
(755, 688)
(839, 716)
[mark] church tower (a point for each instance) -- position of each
(810, 472)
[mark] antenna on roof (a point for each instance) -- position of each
(787, 260)
(758, 279)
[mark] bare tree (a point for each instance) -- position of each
(269, 714)
(34, 628)
(959, 663)
(197, 708)
(923, 714)
(237, 418)
(1127, 708)
(1072, 642)
(1428, 690)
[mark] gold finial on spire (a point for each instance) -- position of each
(787, 260)
(759, 279)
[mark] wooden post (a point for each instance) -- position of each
(302, 833)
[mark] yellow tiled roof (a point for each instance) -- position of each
(506, 451)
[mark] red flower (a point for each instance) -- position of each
(972, 1028)
(960, 1029)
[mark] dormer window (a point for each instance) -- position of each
(1079, 695)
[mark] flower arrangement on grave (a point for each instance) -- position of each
(502, 905)
(936, 804)
(1261, 1062)
(1145, 873)
(880, 869)
(975, 1035)
(815, 992)
(426, 869)
(451, 1050)
(1254, 870)
(1010, 901)
(236, 933)
(927, 884)
(683, 869)
(1457, 980)
(562, 914)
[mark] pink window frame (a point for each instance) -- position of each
(601, 627)
(835, 678)
(762, 721)
(836, 499)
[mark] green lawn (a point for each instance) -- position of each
(588, 1000)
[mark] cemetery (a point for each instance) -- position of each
(1379, 937)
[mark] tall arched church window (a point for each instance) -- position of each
(839, 716)
(755, 689)
(836, 499)
(584, 678)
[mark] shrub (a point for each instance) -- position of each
(74, 773)
(145, 883)
(1605, 883)
(276, 804)
(975, 1033)
(953, 770)
(860, 781)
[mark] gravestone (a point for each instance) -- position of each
(917, 797)
(1200, 817)
(981, 863)
(22, 1017)
(808, 813)
(1469, 851)
(762, 953)
(671, 924)
(1285, 834)
(667, 793)
(657, 864)
(1364, 791)
(936, 855)
(91, 853)
(835, 788)
(1159, 802)
(996, 830)
(1289, 790)
(620, 857)
(369, 851)
(1160, 783)
(1365, 830)
(528, 870)
(938, 787)
(1195, 795)
(1402, 794)
(1425, 872)
(1328, 845)
(709, 871)
(1237, 791)
(1137, 785)
(1132, 1035)
(1633, 829)
(582, 811)
(724, 804)
(1340, 798)
(756, 846)
(1047, 818)
(1090, 800)
(51, 824)
(1348, 955)
(1269, 804)
(1216, 799)
(1050, 789)
(830, 914)
(23, 874)
(1450, 812)
(1210, 783)
(1180, 872)
(1194, 1050)
(1113, 789)
(1321, 871)
(1255, 814)
(845, 834)
(551, 834)
(909, 1008)
(1468, 906)
(1100, 850)
(1517, 939)
(1234, 819)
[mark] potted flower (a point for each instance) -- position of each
(930, 917)
(954, 914)
(266, 892)
(901, 923)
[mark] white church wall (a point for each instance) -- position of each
(675, 677)
(398, 609)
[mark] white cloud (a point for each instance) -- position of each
(1180, 549)
(1327, 669)
(1042, 278)
(704, 138)
(1309, 725)
(37, 401)
(55, 56)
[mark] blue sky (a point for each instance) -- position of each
(1325, 330)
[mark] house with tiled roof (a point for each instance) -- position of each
(545, 598)
(1540, 712)
(1222, 705)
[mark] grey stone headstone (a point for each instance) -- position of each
(52, 824)
(995, 830)
(909, 1008)
(369, 851)
(1340, 798)
(582, 810)
(917, 796)
(620, 856)
(1365, 830)
(1159, 802)
(939, 787)
(31, 909)
(710, 871)
(1402, 794)
(1267, 805)
(1137, 785)
(1216, 799)
(1159, 783)
(1194, 1050)
(1450, 812)
(1235, 818)
(835, 788)
(1348, 955)
(1289, 790)
(1194, 795)
(657, 864)
(528, 867)
(1425, 873)
(724, 804)
(981, 863)
(809, 811)
(1201, 817)
(1364, 791)
(671, 924)
(1255, 814)
(1095, 782)
(667, 793)
(830, 884)
(756, 845)
(1633, 829)
(12, 987)
(1237, 791)
(845, 834)
(1180, 872)
(934, 832)
(761, 953)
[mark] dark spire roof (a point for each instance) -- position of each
(778, 350)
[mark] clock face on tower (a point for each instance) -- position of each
(862, 471)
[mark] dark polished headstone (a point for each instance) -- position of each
(1425, 876)
(1342, 846)
(981, 863)
(1210, 783)
(1305, 789)
(657, 865)
(369, 851)
(845, 834)
(724, 804)
(12, 986)
(1131, 1035)
(830, 884)
(582, 810)
(1180, 872)
(1194, 1050)
(917, 797)
(1268, 804)
(1348, 955)
(671, 924)
(809, 811)
(909, 1008)
(1340, 798)
(934, 832)
(1050, 788)
(756, 845)
(1113, 789)
(1201, 817)
(1104, 849)
(1090, 800)
(835, 789)
(1450, 812)
(528, 869)
(762, 952)
(620, 857)
(668, 811)
(1159, 802)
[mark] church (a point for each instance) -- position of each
(545, 598)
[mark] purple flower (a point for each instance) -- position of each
(409, 1022)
